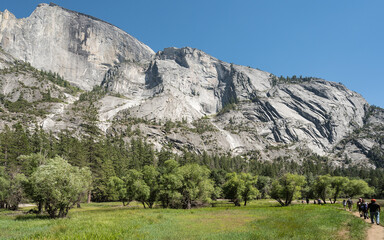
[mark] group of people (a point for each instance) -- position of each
(363, 207)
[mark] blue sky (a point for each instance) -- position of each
(340, 41)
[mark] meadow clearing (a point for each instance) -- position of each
(262, 219)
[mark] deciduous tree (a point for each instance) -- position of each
(287, 188)
(60, 185)
(196, 185)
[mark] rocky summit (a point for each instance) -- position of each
(63, 71)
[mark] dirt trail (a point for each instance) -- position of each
(375, 232)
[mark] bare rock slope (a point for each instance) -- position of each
(80, 48)
(183, 98)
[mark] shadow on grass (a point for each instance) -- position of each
(28, 217)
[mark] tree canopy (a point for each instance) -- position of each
(287, 188)
(59, 185)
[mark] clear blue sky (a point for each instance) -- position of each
(338, 40)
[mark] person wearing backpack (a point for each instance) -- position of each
(349, 203)
(358, 205)
(345, 204)
(364, 209)
(374, 211)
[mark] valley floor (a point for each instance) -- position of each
(262, 219)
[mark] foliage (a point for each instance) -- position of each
(338, 184)
(322, 187)
(151, 178)
(60, 184)
(20, 67)
(287, 188)
(250, 191)
(358, 187)
(264, 186)
(15, 189)
(137, 189)
(196, 185)
(289, 80)
(240, 187)
(110, 156)
(117, 189)
(4, 188)
(93, 96)
(169, 183)
(202, 126)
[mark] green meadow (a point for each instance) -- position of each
(262, 219)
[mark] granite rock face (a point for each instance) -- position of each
(218, 106)
(80, 48)
(185, 84)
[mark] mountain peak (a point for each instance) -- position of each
(79, 47)
(51, 6)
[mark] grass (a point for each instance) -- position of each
(260, 220)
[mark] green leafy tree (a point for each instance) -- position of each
(4, 187)
(249, 191)
(15, 191)
(60, 185)
(322, 187)
(151, 179)
(118, 190)
(196, 185)
(29, 164)
(136, 187)
(233, 188)
(264, 186)
(218, 176)
(287, 188)
(169, 184)
(358, 187)
(240, 187)
(338, 184)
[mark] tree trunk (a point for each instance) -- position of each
(245, 202)
(279, 201)
(89, 197)
(40, 207)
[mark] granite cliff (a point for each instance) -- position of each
(180, 98)
(80, 48)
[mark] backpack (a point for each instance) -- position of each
(364, 206)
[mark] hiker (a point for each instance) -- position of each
(349, 203)
(345, 204)
(374, 211)
(358, 206)
(364, 209)
(319, 201)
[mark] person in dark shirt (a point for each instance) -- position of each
(358, 205)
(374, 211)
(350, 204)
